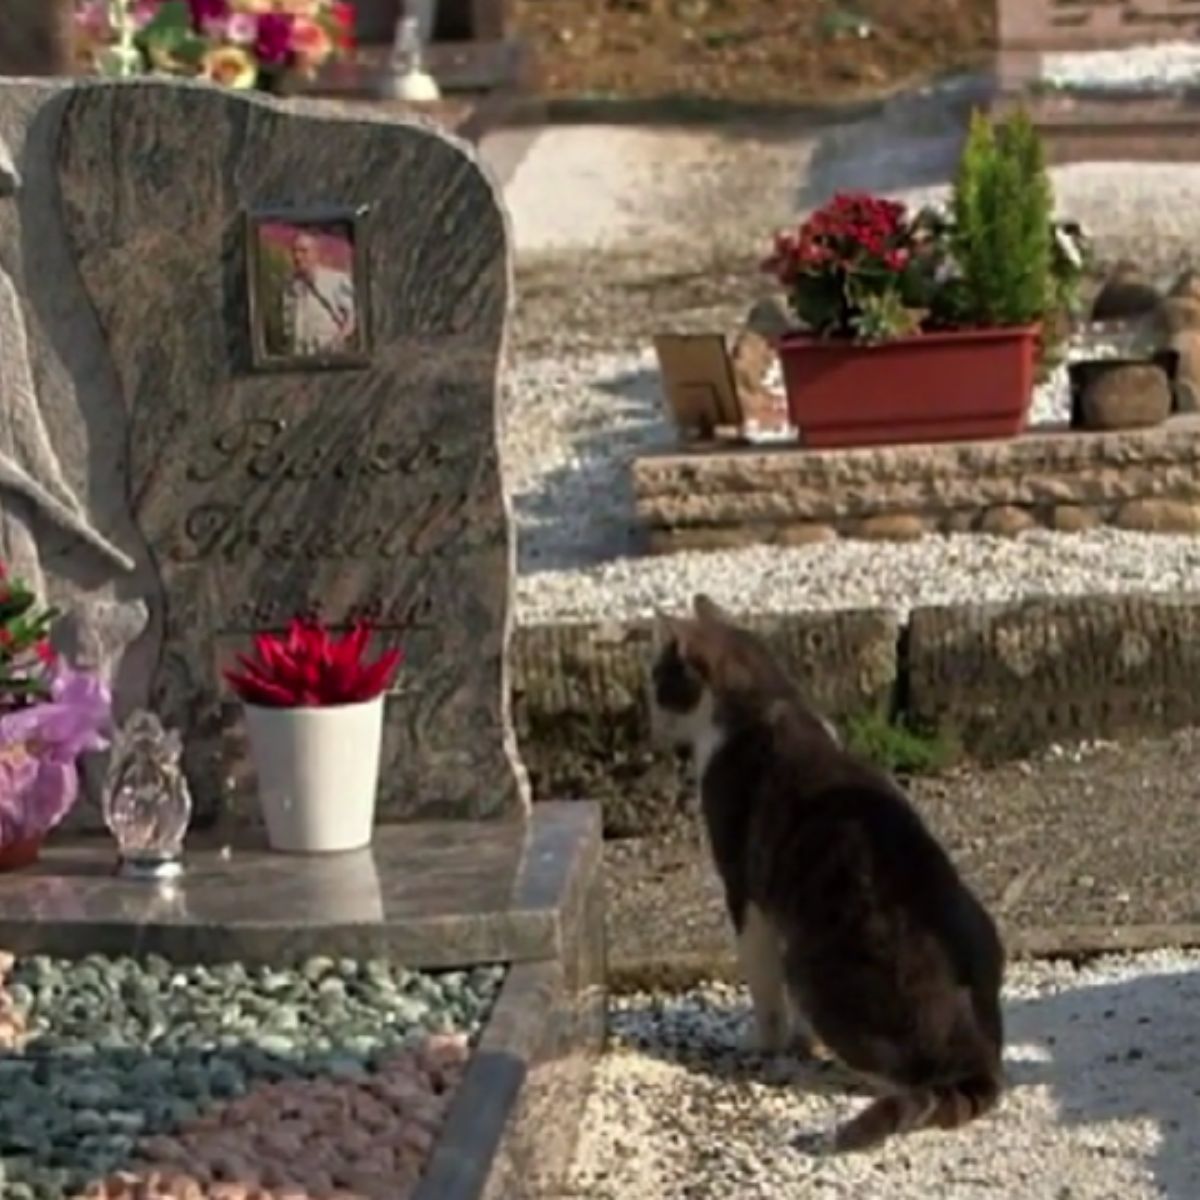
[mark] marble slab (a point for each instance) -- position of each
(428, 894)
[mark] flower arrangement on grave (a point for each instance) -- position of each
(50, 716)
(263, 44)
(314, 705)
(930, 307)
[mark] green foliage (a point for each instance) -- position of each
(898, 747)
(883, 315)
(1002, 233)
(24, 633)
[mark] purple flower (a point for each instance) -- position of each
(274, 42)
(204, 11)
(39, 749)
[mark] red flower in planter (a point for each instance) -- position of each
(852, 269)
(306, 667)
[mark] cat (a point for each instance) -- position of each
(853, 926)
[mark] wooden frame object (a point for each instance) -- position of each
(330, 306)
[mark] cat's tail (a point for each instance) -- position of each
(941, 1107)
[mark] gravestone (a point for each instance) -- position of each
(35, 37)
(255, 491)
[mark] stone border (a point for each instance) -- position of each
(514, 1122)
(1006, 680)
(1140, 479)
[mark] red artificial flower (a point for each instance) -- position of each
(305, 667)
(45, 652)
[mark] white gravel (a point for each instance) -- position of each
(1146, 68)
(583, 187)
(1104, 1070)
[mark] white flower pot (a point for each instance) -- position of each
(318, 774)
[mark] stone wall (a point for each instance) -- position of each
(1147, 479)
(1004, 680)
(579, 705)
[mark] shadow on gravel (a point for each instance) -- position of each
(582, 514)
(1106, 1053)
(1114, 1052)
(912, 141)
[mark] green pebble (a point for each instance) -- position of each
(88, 1120)
(126, 1121)
(409, 1010)
(226, 1082)
(284, 1019)
(277, 1044)
(316, 968)
(21, 995)
(342, 1066)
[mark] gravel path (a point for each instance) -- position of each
(124, 1079)
(1103, 1061)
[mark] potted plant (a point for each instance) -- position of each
(924, 326)
(314, 715)
(50, 716)
(228, 42)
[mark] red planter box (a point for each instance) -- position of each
(939, 387)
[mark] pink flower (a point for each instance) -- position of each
(39, 750)
(242, 29)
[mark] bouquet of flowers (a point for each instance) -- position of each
(50, 715)
(236, 43)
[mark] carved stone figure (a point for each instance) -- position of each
(30, 469)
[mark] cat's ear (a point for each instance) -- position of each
(708, 610)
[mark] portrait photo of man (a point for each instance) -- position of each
(306, 307)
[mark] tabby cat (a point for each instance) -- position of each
(853, 925)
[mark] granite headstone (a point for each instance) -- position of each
(258, 495)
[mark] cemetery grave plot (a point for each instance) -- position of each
(220, 492)
(416, 1020)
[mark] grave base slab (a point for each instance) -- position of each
(527, 893)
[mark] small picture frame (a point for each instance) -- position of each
(309, 289)
(698, 383)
